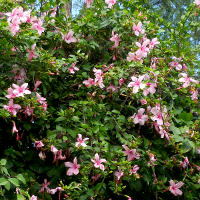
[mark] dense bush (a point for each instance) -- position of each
(98, 106)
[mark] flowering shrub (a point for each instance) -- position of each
(99, 106)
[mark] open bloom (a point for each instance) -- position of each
(136, 83)
(68, 37)
(119, 173)
(45, 186)
(134, 169)
(138, 28)
(19, 91)
(143, 49)
(140, 117)
(131, 153)
(12, 108)
(174, 188)
(97, 162)
(151, 89)
(110, 3)
(80, 141)
(73, 167)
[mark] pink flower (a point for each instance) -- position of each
(138, 28)
(153, 43)
(98, 78)
(28, 111)
(42, 155)
(133, 56)
(134, 169)
(110, 3)
(112, 88)
(185, 163)
(10, 94)
(45, 186)
(88, 3)
(136, 83)
(80, 141)
(194, 94)
(73, 68)
(115, 38)
(57, 154)
(197, 2)
(152, 159)
(121, 81)
(97, 162)
(14, 129)
(73, 167)
(119, 173)
(37, 84)
(19, 91)
(38, 26)
(174, 188)
(143, 49)
(89, 82)
(68, 37)
(177, 65)
(151, 89)
(140, 118)
(38, 144)
(12, 108)
(186, 80)
(158, 115)
(143, 101)
(131, 153)
(57, 189)
(33, 197)
(31, 53)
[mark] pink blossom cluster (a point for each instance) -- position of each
(140, 117)
(138, 28)
(18, 16)
(98, 81)
(176, 63)
(45, 186)
(161, 123)
(16, 91)
(57, 154)
(138, 83)
(131, 154)
(186, 80)
(185, 162)
(144, 45)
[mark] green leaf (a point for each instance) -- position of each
(7, 186)
(14, 181)
(21, 178)
(3, 181)
(3, 161)
(20, 197)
